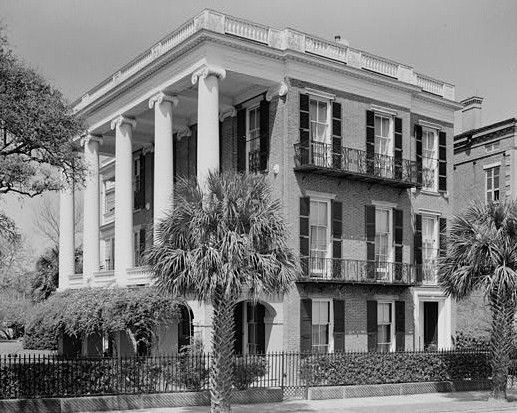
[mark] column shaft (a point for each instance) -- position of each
(208, 126)
(124, 255)
(91, 209)
(66, 237)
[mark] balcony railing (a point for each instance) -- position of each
(357, 271)
(357, 164)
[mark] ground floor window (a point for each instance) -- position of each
(321, 326)
(384, 327)
(249, 322)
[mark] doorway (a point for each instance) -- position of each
(430, 325)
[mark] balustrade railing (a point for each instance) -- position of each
(340, 269)
(355, 161)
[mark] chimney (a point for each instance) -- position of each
(338, 39)
(471, 113)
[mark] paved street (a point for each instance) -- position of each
(435, 402)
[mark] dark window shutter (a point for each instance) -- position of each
(443, 237)
(142, 244)
(398, 227)
(371, 324)
(442, 162)
(237, 318)
(305, 210)
(337, 124)
(339, 326)
(400, 325)
(261, 329)
(141, 191)
(192, 143)
(264, 134)
(305, 325)
(398, 148)
(369, 219)
(175, 157)
(241, 140)
(337, 231)
(220, 146)
(304, 129)
(419, 163)
(417, 247)
(370, 142)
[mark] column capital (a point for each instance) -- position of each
(121, 120)
(228, 113)
(281, 90)
(162, 97)
(89, 137)
(208, 70)
(183, 132)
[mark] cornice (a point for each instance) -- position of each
(469, 141)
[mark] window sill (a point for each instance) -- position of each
(431, 192)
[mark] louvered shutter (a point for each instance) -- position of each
(264, 134)
(371, 324)
(339, 326)
(419, 163)
(398, 148)
(261, 329)
(192, 144)
(241, 140)
(398, 227)
(337, 231)
(417, 247)
(220, 146)
(305, 144)
(336, 135)
(443, 237)
(142, 246)
(400, 325)
(369, 219)
(370, 142)
(442, 162)
(238, 335)
(305, 325)
(305, 210)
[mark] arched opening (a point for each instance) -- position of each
(250, 319)
(185, 327)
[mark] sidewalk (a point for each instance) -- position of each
(424, 403)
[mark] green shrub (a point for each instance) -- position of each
(379, 368)
(464, 341)
(248, 369)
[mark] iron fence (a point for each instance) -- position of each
(356, 161)
(53, 376)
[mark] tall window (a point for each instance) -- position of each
(492, 184)
(109, 197)
(320, 326)
(430, 159)
(252, 318)
(319, 236)
(384, 326)
(253, 139)
(383, 135)
(109, 254)
(139, 246)
(429, 247)
(320, 132)
(383, 241)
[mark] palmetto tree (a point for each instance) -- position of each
(482, 255)
(217, 244)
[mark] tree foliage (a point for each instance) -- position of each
(217, 245)
(482, 255)
(102, 310)
(36, 130)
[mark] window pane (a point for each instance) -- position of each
(313, 110)
(385, 127)
(322, 112)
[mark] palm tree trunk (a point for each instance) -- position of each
(501, 343)
(221, 369)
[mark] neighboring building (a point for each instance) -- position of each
(357, 147)
(485, 170)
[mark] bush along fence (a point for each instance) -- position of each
(43, 376)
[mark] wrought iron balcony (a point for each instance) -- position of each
(357, 271)
(356, 164)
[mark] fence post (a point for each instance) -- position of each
(282, 372)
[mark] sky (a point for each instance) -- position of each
(76, 44)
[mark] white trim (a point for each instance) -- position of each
(384, 204)
(393, 326)
(320, 94)
(430, 125)
(491, 165)
(381, 110)
(330, 302)
(321, 196)
(424, 211)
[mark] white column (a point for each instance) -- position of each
(66, 236)
(163, 154)
(124, 257)
(91, 247)
(207, 119)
